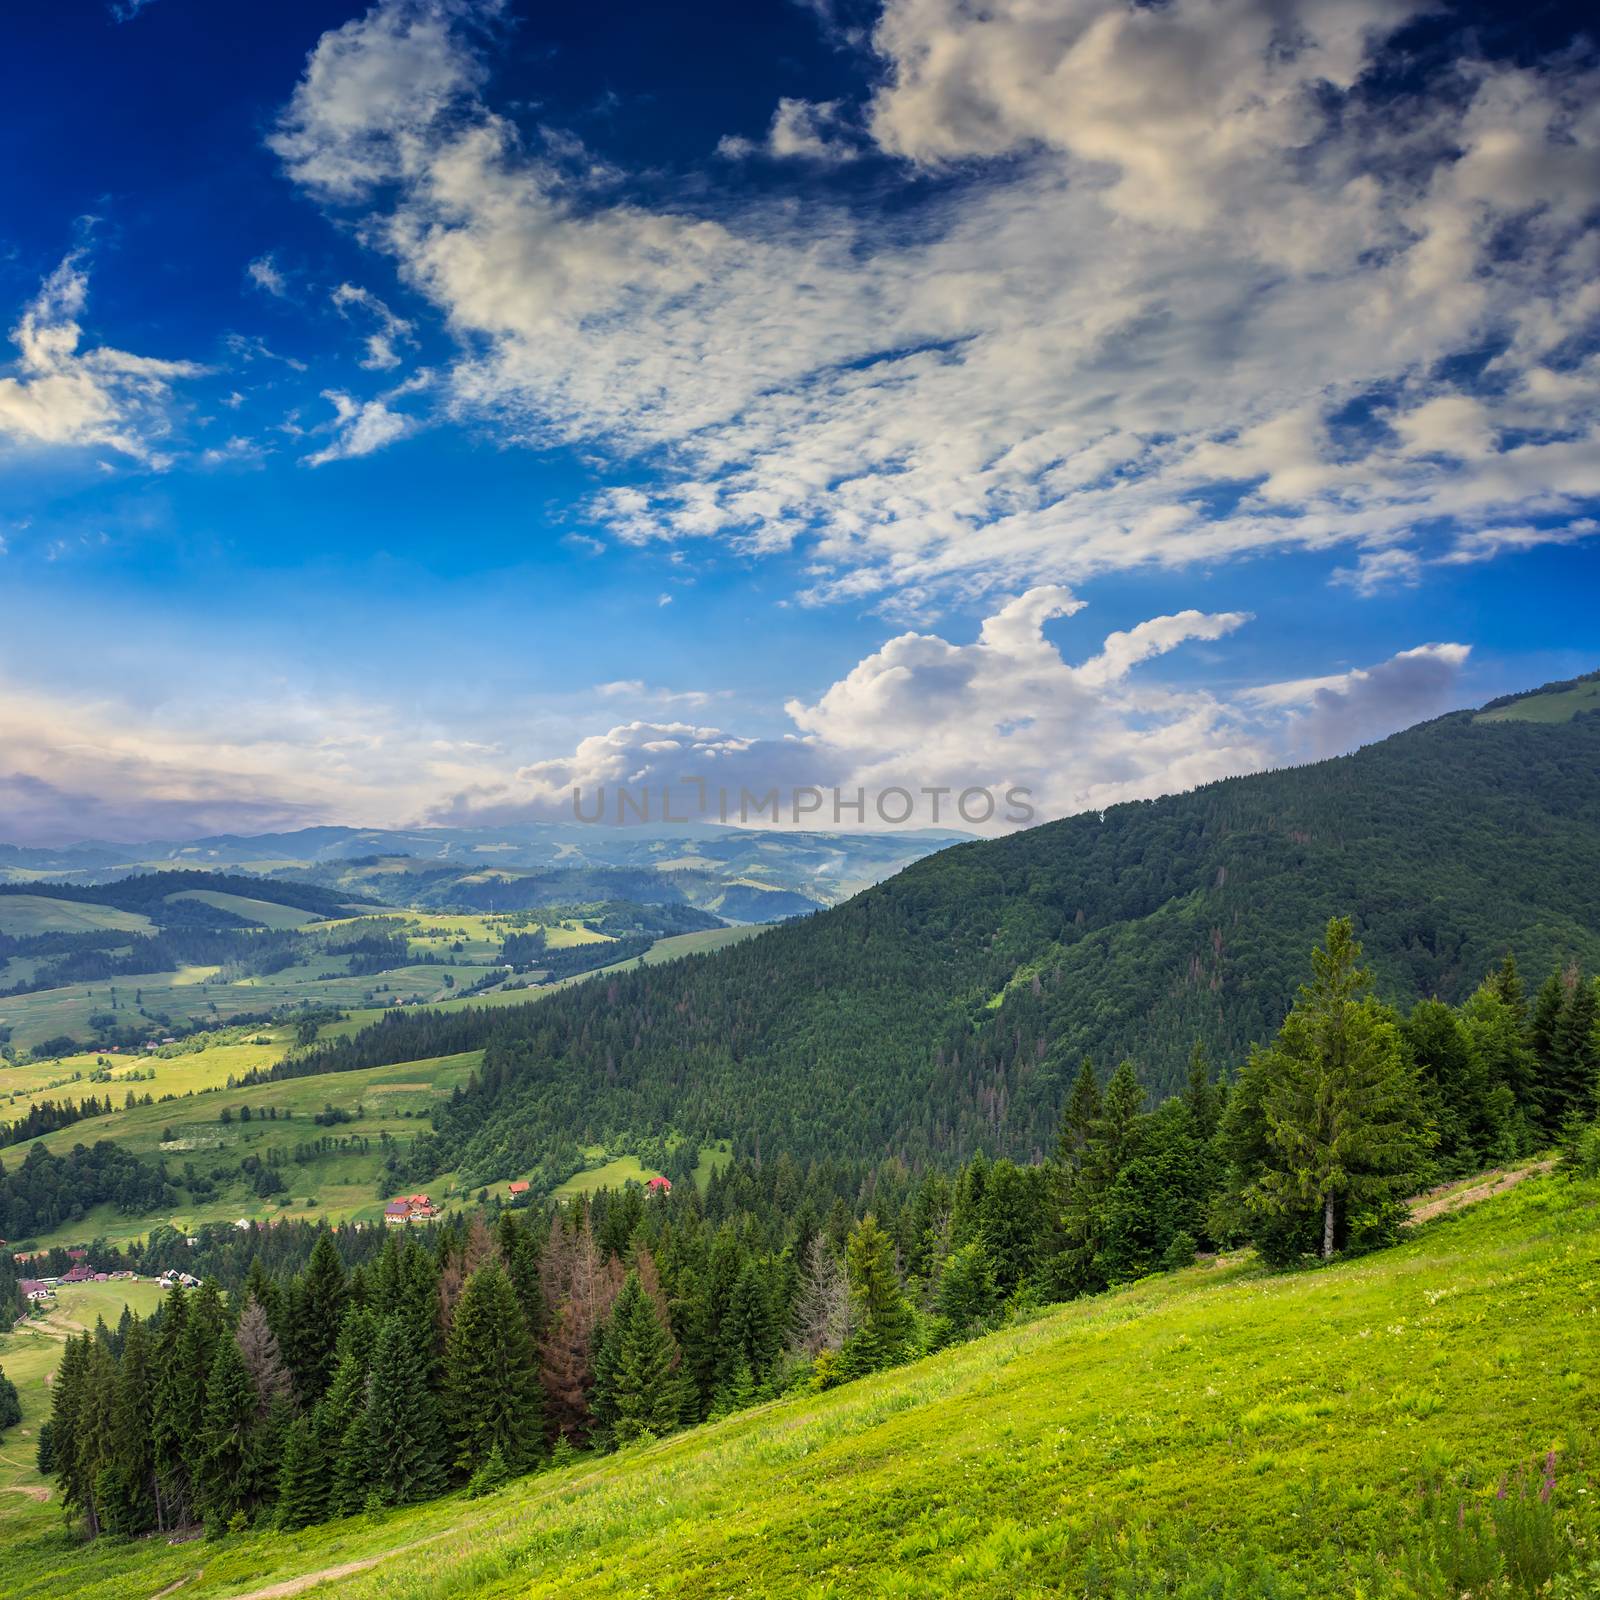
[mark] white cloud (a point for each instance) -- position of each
(361, 427)
(391, 330)
(1328, 716)
(801, 130)
(63, 396)
(266, 275)
(1483, 544)
(1377, 570)
(1201, 244)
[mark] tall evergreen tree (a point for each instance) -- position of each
(132, 1413)
(1344, 1119)
(405, 1439)
(1081, 1115)
(491, 1378)
(645, 1394)
(174, 1412)
(316, 1316)
(884, 1323)
(301, 1491)
(227, 1460)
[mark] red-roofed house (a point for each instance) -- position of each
(80, 1274)
(659, 1186)
(409, 1208)
(518, 1186)
(35, 1290)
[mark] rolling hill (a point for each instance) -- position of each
(1386, 1427)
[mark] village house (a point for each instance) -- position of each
(35, 1289)
(659, 1186)
(409, 1208)
(518, 1186)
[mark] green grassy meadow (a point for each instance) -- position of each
(26, 914)
(1219, 1432)
(266, 912)
(1560, 705)
(393, 1101)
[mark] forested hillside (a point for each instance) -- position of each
(947, 1010)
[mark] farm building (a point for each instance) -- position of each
(659, 1186)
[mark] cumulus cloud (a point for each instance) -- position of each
(61, 395)
(936, 718)
(1330, 715)
(1184, 243)
(801, 130)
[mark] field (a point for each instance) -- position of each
(1275, 1428)
(268, 914)
(196, 994)
(29, 1355)
(343, 1183)
(24, 914)
(1562, 705)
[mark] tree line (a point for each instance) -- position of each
(470, 1353)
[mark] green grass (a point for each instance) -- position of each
(393, 1100)
(1213, 1410)
(1561, 706)
(610, 1175)
(266, 912)
(24, 914)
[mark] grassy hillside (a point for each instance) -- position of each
(1218, 1432)
(28, 914)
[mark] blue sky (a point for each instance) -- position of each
(415, 410)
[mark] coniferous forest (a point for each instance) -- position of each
(360, 1371)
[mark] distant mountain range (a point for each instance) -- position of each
(740, 875)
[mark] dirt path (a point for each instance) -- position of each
(1448, 1197)
(306, 1580)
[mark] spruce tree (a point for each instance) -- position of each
(1568, 1089)
(491, 1380)
(350, 1479)
(884, 1323)
(967, 1292)
(646, 1397)
(1080, 1116)
(1201, 1094)
(174, 1412)
(1341, 1101)
(132, 1410)
(227, 1460)
(302, 1497)
(317, 1315)
(405, 1439)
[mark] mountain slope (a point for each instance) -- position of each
(1214, 1432)
(946, 1009)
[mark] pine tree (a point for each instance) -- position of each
(405, 1439)
(132, 1410)
(227, 1461)
(259, 1347)
(316, 1315)
(1201, 1095)
(491, 1380)
(490, 1476)
(351, 1478)
(1079, 1119)
(884, 1323)
(67, 1396)
(967, 1292)
(175, 1407)
(645, 1387)
(302, 1499)
(1343, 1112)
(1568, 1089)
